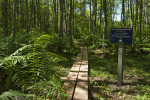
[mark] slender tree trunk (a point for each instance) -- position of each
(73, 19)
(27, 17)
(55, 16)
(39, 14)
(105, 23)
(31, 14)
(9, 13)
(105, 19)
(132, 23)
(113, 14)
(90, 17)
(110, 13)
(14, 21)
(127, 14)
(47, 15)
(94, 15)
(22, 14)
(136, 22)
(147, 17)
(123, 14)
(61, 17)
(70, 24)
(65, 17)
(34, 13)
(101, 11)
(5, 16)
(141, 12)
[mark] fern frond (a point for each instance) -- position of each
(21, 49)
(13, 94)
(12, 60)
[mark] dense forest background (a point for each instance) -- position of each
(38, 39)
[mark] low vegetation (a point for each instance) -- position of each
(103, 76)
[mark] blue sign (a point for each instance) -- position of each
(121, 35)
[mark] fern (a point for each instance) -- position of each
(14, 58)
(48, 89)
(33, 66)
(14, 94)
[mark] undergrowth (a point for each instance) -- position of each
(103, 76)
(33, 70)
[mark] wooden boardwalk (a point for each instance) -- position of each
(76, 83)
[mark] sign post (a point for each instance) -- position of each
(120, 64)
(121, 36)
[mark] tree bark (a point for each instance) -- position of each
(27, 17)
(132, 22)
(141, 12)
(90, 17)
(123, 14)
(105, 19)
(14, 21)
(70, 25)
(105, 23)
(55, 18)
(65, 18)
(61, 17)
(5, 16)
(94, 15)
(73, 19)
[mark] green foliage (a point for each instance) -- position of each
(47, 89)
(103, 70)
(87, 39)
(52, 42)
(35, 64)
(13, 95)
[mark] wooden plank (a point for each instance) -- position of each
(72, 76)
(81, 91)
(84, 62)
(69, 86)
(78, 59)
(79, 70)
(84, 68)
(70, 83)
(75, 68)
(83, 76)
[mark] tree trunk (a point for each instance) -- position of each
(70, 25)
(22, 14)
(55, 16)
(131, 13)
(105, 19)
(39, 14)
(101, 11)
(94, 15)
(123, 14)
(73, 19)
(61, 17)
(65, 18)
(146, 18)
(31, 14)
(14, 21)
(27, 17)
(34, 13)
(5, 16)
(90, 17)
(141, 12)
(105, 23)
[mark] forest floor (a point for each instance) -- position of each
(103, 76)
